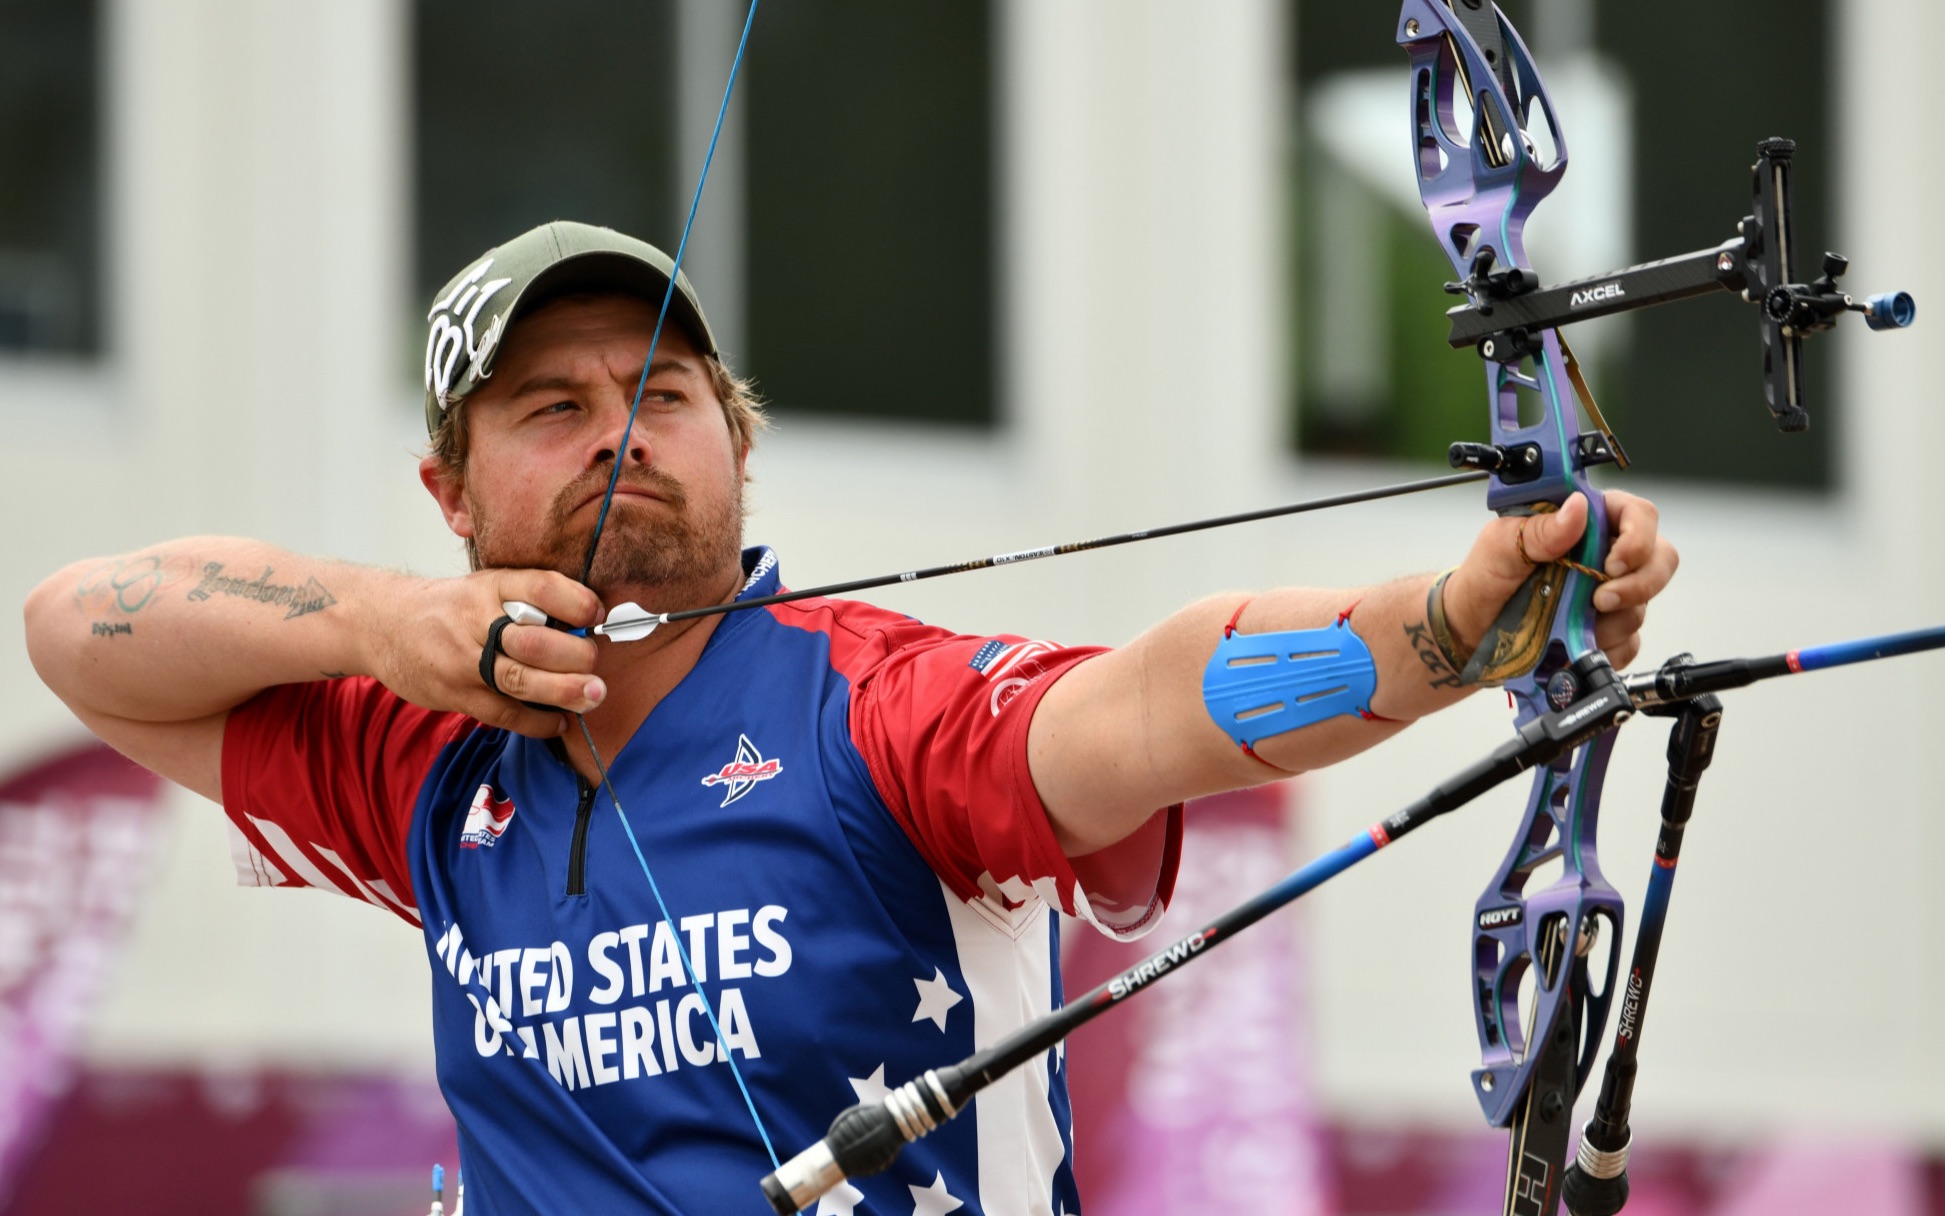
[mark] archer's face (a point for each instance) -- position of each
(545, 431)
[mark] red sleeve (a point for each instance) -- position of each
(319, 783)
(942, 723)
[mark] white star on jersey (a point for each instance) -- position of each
(933, 1200)
(839, 1200)
(873, 1087)
(935, 998)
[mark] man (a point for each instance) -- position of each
(855, 823)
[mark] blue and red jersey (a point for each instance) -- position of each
(837, 808)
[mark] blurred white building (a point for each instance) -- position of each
(258, 229)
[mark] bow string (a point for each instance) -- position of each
(587, 568)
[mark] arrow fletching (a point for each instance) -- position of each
(630, 623)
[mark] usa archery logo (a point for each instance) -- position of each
(739, 775)
(486, 820)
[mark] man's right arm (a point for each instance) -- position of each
(152, 649)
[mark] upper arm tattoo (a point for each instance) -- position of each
(125, 584)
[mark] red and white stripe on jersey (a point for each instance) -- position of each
(319, 783)
(288, 864)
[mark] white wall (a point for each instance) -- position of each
(259, 387)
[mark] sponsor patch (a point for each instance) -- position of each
(996, 658)
(741, 774)
(1018, 662)
(486, 820)
(985, 655)
(764, 565)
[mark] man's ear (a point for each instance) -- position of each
(449, 490)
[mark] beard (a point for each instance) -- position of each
(680, 559)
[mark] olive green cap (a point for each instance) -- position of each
(470, 317)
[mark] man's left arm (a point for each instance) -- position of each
(1128, 731)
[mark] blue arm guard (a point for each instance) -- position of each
(1263, 684)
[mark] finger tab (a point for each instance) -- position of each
(523, 613)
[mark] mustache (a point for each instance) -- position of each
(595, 481)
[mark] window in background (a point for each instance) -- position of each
(529, 113)
(853, 186)
(1661, 129)
(871, 235)
(50, 192)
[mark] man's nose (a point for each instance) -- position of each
(617, 436)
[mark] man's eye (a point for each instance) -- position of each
(558, 407)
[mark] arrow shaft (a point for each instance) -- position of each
(1104, 542)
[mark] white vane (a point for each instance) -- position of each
(628, 622)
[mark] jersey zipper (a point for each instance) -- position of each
(577, 849)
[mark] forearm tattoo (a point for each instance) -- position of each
(1427, 649)
(301, 601)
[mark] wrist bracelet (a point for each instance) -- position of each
(1455, 654)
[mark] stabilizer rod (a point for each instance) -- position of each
(1597, 1183)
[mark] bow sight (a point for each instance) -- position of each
(1507, 308)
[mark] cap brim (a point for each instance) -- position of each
(603, 270)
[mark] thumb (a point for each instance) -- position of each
(1554, 535)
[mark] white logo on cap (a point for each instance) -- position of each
(449, 340)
